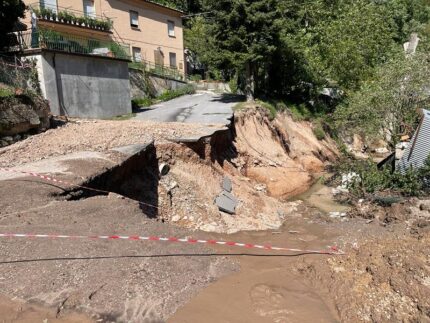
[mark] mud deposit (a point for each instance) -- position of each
(268, 287)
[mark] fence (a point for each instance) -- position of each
(18, 73)
(53, 40)
(160, 70)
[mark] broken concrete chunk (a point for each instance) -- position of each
(230, 196)
(226, 204)
(226, 184)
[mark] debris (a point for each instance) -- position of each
(337, 214)
(293, 232)
(226, 184)
(261, 188)
(226, 202)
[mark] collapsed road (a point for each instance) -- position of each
(127, 280)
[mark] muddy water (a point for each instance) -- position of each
(16, 311)
(320, 196)
(266, 289)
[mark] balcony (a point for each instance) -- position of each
(71, 17)
(53, 40)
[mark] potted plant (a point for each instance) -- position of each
(80, 21)
(37, 12)
(61, 16)
(54, 16)
(48, 14)
(74, 19)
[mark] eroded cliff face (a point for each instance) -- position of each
(267, 161)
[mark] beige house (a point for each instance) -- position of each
(144, 30)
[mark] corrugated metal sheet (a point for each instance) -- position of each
(419, 147)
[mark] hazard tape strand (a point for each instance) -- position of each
(47, 178)
(330, 251)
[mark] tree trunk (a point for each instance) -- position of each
(249, 82)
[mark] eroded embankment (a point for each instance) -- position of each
(267, 161)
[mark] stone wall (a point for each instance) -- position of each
(144, 84)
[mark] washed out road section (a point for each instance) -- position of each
(204, 108)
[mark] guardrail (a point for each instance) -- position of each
(160, 70)
(53, 40)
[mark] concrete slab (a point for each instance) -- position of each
(230, 196)
(57, 165)
(131, 150)
(204, 133)
(225, 204)
(227, 184)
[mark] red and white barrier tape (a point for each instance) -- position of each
(47, 178)
(331, 251)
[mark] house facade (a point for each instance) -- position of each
(144, 30)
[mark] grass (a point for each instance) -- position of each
(124, 117)
(165, 96)
(5, 92)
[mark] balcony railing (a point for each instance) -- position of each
(53, 40)
(161, 70)
(69, 16)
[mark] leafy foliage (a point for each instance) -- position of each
(369, 180)
(10, 12)
(385, 107)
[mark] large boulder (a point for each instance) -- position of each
(22, 113)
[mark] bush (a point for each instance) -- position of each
(233, 85)
(318, 131)
(370, 180)
(171, 94)
(195, 77)
(165, 96)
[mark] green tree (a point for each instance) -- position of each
(10, 12)
(386, 106)
(246, 35)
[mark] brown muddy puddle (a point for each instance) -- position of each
(266, 289)
(14, 311)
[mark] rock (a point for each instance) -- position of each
(3, 143)
(23, 113)
(17, 138)
(8, 139)
(424, 207)
(260, 188)
(226, 184)
(176, 218)
(226, 202)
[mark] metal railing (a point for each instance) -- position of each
(161, 70)
(53, 40)
(70, 16)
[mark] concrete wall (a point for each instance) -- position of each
(86, 86)
(151, 85)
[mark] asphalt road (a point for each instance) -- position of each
(205, 108)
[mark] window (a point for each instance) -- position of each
(134, 19)
(171, 28)
(89, 10)
(49, 4)
(137, 55)
(172, 60)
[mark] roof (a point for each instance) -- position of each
(164, 6)
(418, 149)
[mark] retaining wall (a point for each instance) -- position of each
(85, 86)
(145, 84)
